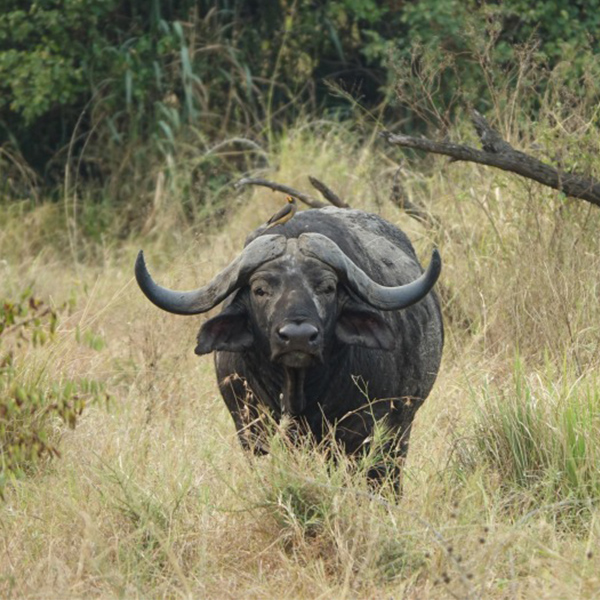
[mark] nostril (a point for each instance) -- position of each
(298, 334)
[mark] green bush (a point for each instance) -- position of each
(109, 88)
(31, 403)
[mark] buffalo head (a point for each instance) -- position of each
(291, 301)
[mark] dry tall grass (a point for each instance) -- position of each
(153, 497)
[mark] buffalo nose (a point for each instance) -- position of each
(298, 333)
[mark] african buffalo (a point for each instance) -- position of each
(330, 320)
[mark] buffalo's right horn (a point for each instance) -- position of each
(379, 296)
(235, 275)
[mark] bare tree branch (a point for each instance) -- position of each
(279, 187)
(328, 194)
(499, 153)
(400, 198)
(491, 140)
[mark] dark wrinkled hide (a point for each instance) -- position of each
(303, 348)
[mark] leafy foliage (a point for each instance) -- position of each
(29, 405)
(109, 78)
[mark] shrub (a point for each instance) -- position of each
(114, 84)
(31, 402)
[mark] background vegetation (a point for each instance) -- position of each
(123, 126)
(103, 88)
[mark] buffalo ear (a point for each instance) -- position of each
(227, 331)
(358, 325)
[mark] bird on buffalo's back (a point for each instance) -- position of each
(284, 214)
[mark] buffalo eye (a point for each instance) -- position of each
(327, 288)
(261, 289)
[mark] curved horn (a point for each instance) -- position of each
(257, 252)
(385, 298)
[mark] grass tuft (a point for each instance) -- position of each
(539, 436)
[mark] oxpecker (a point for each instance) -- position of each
(284, 214)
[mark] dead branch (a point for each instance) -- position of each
(399, 197)
(285, 189)
(499, 153)
(328, 194)
(491, 140)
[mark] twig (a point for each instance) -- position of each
(328, 194)
(399, 197)
(491, 140)
(279, 187)
(25, 322)
(499, 153)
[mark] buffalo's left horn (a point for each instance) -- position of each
(379, 296)
(235, 275)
